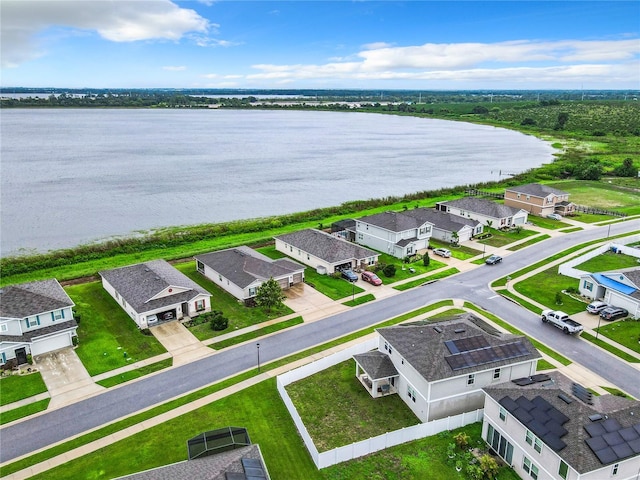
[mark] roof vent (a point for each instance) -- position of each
(565, 399)
(157, 278)
(582, 393)
(459, 330)
(595, 417)
(438, 329)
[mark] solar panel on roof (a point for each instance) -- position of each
(613, 438)
(451, 345)
(635, 445)
(606, 455)
(611, 425)
(483, 356)
(471, 343)
(595, 429)
(553, 441)
(628, 434)
(610, 442)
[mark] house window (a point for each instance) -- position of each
(411, 393)
(299, 252)
(219, 278)
(291, 248)
(200, 266)
(614, 470)
(528, 197)
(503, 414)
(3, 358)
(587, 286)
(117, 296)
(199, 305)
(33, 322)
(496, 374)
(4, 327)
(371, 261)
(499, 444)
(534, 441)
(563, 470)
(57, 315)
(471, 379)
(360, 236)
(252, 291)
(518, 195)
(308, 257)
(530, 468)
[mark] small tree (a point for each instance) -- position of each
(218, 321)
(269, 295)
(489, 466)
(389, 270)
(455, 238)
(426, 259)
(558, 298)
(462, 440)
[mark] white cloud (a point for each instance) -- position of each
(170, 68)
(117, 21)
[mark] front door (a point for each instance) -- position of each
(21, 356)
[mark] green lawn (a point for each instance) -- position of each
(532, 241)
(609, 348)
(106, 332)
(625, 332)
(19, 387)
(239, 315)
(334, 288)
(608, 196)
(543, 287)
(427, 279)
(276, 327)
(460, 252)
(607, 262)
(137, 373)
(547, 223)
(337, 410)
(500, 238)
(18, 413)
(369, 297)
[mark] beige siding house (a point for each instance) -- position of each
(439, 369)
(324, 252)
(240, 271)
(538, 199)
(487, 212)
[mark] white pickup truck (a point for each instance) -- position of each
(562, 321)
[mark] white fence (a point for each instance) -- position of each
(567, 269)
(364, 447)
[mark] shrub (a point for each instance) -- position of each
(462, 440)
(558, 298)
(218, 321)
(426, 259)
(389, 270)
(489, 466)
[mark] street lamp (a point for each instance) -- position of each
(598, 329)
(258, 345)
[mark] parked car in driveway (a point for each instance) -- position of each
(554, 216)
(596, 307)
(443, 252)
(349, 275)
(493, 259)
(371, 278)
(613, 313)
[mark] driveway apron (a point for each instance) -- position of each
(65, 377)
(180, 343)
(310, 303)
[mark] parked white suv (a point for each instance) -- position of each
(443, 252)
(596, 307)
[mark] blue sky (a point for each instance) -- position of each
(334, 44)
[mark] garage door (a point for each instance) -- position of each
(617, 300)
(50, 344)
(297, 278)
(284, 283)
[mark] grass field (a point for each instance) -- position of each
(19, 387)
(106, 332)
(607, 262)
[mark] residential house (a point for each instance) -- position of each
(241, 270)
(485, 211)
(398, 234)
(446, 226)
(558, 430)
(154, 292)
(440, 368)
(538, 199)
(324, 252)
(621, 289)
(35, 318)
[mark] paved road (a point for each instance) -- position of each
(57, 425)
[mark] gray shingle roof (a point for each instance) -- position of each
(27, 299)
(424, 348)
(442, 220)
(376, 364)
(577, 453)
(139, 283)
(483, 207)
(536, 189)
(243, 265)
(327, 247)
(212, 467)
(393, 221)
(40, 332)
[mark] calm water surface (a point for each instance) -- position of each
(76, 176)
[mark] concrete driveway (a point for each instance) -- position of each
(310, 303)
(65, 377)
(180, 342)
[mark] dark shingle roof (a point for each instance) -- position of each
(376, 364)
(243, 265)
(27, 299)
(139, 283)
(393, 221)
(577, 453)
(425, 349)
(212, 467)
(483, 207)
(40, 332)
(442, 220)
(536, 189)
(325, 246)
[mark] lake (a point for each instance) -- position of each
(76, 176)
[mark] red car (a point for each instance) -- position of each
(371, 278)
